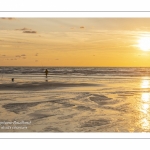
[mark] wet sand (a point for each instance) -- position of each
(91, 104)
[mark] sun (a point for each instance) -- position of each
(144, 43)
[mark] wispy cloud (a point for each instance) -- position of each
(81, 27)
(24, 29)
(23, 55)
(17, 56)
(29, 31)
(8, 18)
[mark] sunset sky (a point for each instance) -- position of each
(106, 42)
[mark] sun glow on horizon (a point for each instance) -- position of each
(100, 42)
(144, 43)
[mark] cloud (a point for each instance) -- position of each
(81, 27)
(17, 55)
(8, 18)
(23, 55)
(29, 32)
(24, 29)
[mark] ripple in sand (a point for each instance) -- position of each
(37, 116)
(124, 108)
(93, 123)
(66, 117)
(18, 107)
(100, 99)
(63, 102)
(51, 129)
(84, 108)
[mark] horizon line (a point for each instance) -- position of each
(86, 66)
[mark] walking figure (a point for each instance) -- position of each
(46, 72)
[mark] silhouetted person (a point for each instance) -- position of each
(12, 79)
(46, 72)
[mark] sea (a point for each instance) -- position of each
(75, 99)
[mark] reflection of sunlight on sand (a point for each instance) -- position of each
(145, 97)
(145, 84)
(144, 106)
(144, 111)
(145, 123)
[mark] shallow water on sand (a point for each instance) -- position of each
(82, 102)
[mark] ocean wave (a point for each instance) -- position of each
(104, 71)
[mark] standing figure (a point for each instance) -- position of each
(46, 72)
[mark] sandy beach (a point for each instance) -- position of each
(85, 102)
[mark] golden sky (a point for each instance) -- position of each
(111, 42)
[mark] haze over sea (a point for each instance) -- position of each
(75, 99)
